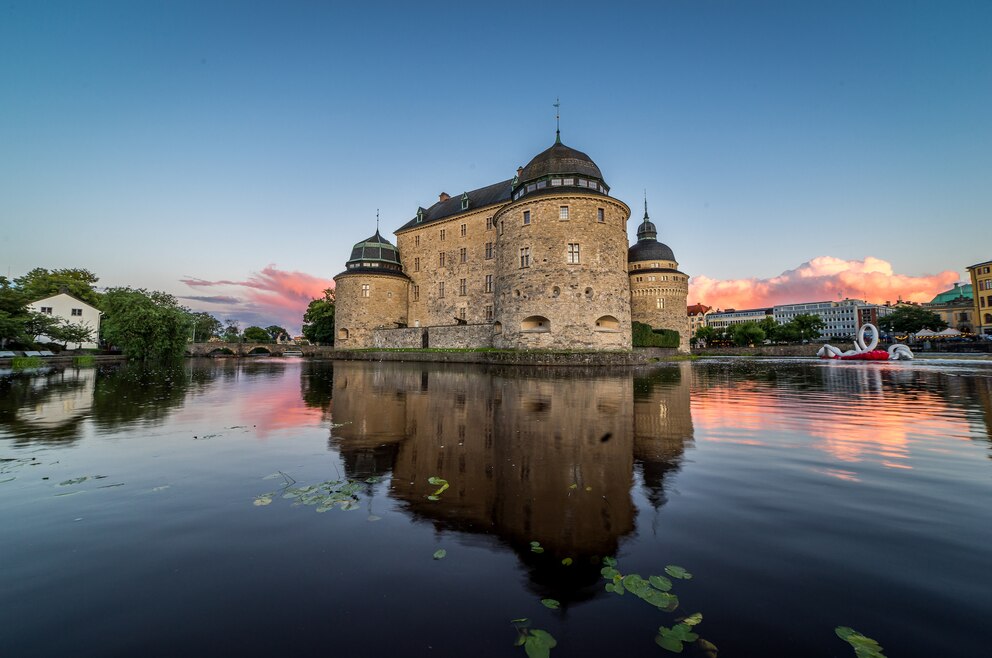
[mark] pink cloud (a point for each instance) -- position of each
(272, 296)
(821, 279)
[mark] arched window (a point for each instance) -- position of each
(497, 327)
(535, 324)
(607, 323)
(343, 334)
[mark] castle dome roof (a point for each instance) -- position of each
(647, 246)
(560, 159)
(375, 248)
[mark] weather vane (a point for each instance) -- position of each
(557, 106)
(376, 220)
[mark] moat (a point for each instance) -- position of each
(293, 507)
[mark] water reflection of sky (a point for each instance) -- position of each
(803, 495)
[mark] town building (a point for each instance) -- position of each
(723, 320)
(842, 319)
(981, 284)
(697, 316)
(72, 310)
(539, 261)
(956, 307)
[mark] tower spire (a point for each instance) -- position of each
(647, 230)
(645, 205)
(377, 221)
(557, 106)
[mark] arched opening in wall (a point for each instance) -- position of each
(259, 350)
(342, 334)
(535, 324)
(221, 351)
(497, 327)
(607, 323)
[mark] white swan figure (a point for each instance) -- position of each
(897, 352)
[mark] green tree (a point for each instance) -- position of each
(66, 332)
(256, 335)
(706, 334)
(205, 326)
(748, 334)
(911, 319)
(276, 331)
(40, 283)
(807, 325)
(13, 313)
(232, 331)
(318, 321)
(773, 330)
(145, 325)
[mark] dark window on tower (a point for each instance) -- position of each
(489, 250)
(462, 287)
(600, 215)
(440, 259)
(525, 257)
(526, 217)
(464, 229)
(489, 283)
(463, 254)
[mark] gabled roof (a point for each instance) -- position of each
(698, 309)
(480, 198)
(59, 294)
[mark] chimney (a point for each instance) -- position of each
(443, 196)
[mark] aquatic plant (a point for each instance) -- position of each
(437, 482)
(864, 646)
(22, 362)
(535, 547)
(537, 643)
(440, 553)
(324, 496)
(551, 603)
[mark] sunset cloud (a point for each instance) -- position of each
(821, 279)
(272, 296)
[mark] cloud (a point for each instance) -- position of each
(821, 279)
(272, 296)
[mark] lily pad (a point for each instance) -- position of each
(567, 561)
(550, 603)
(660, 582)
(609, 561)
(538, 643)
(864, 646)
(677, 572)
(535, 547)
(693, 619)
(440, 553)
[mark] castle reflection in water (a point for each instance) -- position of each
(550, 455)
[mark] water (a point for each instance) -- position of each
(800, 495)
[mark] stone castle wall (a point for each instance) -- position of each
(445, 337)
(549, 302)
(357, 315)
(420, 252)
(661, 302)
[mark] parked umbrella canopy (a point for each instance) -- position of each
(949, 332)
(925, 333)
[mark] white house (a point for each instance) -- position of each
(72, 310)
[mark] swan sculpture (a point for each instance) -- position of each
(863, 352)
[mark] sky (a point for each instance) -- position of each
(231, 153)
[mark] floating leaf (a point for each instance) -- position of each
(864, 646)
(567, 561)
(373, 517)
(693, 619)
(677, 572)
(440, 553)
(573, 486)
(667, 642)
(609, 573)
(522, 620)
(435, 480)
(263, 500)
(433, 498)
(538, 643)
(610, 562)
(550, 603)
(535, 547)
(660, 582)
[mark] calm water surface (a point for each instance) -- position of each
(144, 511)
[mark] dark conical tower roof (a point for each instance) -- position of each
(375, 248)
(647, 246)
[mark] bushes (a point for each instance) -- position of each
(645, 336)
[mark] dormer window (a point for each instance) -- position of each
(420, 215)
(465, 201)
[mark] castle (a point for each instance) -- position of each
(539, 261)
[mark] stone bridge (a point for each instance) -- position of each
(252, 349)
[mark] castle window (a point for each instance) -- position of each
(573, 253)
(660, 302)
(600, 215)
(442, 235)
(562, 212)
(461, 286)
(416, 264)
(440, 259)
(535, 324)
(440, 289)
(464, 229)
(489, 314)
(526, 217)
(416, 240)
(542, 184)
(343, 334)
(365, 290)
(555, 182)
(489, 283)
(461, 312)
(640, 278)
(497, 327)
(501, 227)
(531, 187)
(651, 278)
(569, 181)
(463, 254)
(489, 223)
(489, 250)
(465, 201)
(525, 257)
(416, 293)
(607, 323)
(420, 215)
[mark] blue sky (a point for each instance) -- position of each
(153, 142)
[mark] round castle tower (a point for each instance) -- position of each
(371, 293)
(561, 253)
(658, 290)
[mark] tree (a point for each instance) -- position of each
(276, 331)
(748, 334)
(911, 319)
(232, 331)
(145, 325)
(205, 326)
(40, 283)
(808, 326)
(256, 335)
(705, 334)
(13, 313)
(318, 321)
(66, 332)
